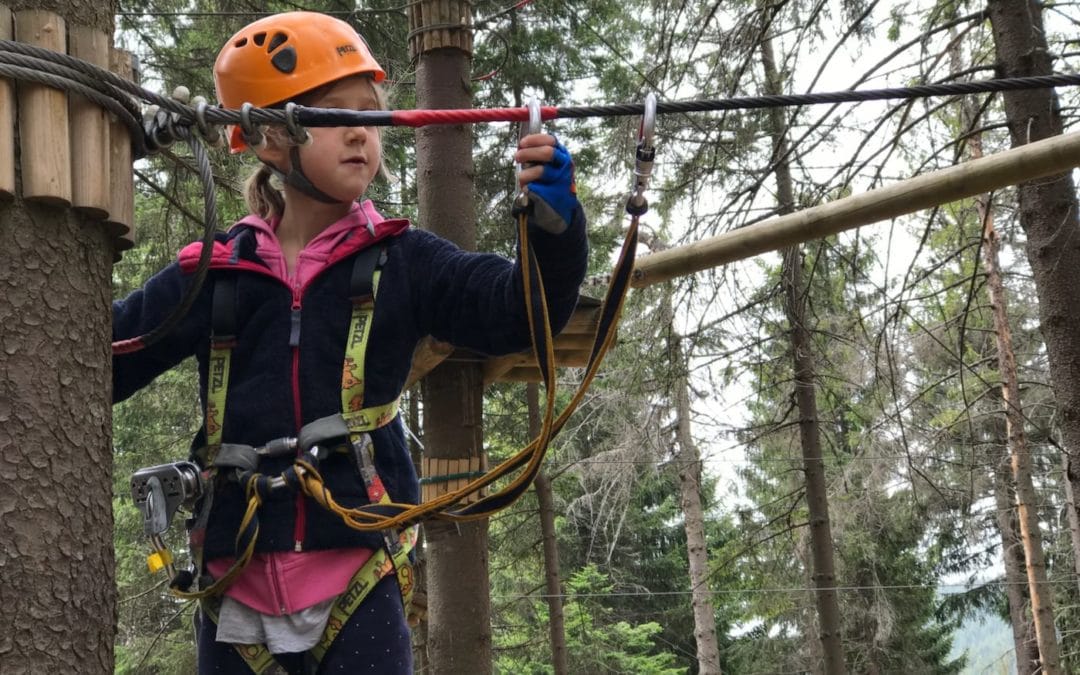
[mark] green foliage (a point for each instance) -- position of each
(597, 640)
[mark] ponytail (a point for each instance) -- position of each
(263, 199)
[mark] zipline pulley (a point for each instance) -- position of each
(159, 492)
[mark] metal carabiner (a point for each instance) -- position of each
(521, 202)
(637, 204)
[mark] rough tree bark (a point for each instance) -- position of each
(688, 461)
(1073, 514)
(58, 595)
(1012, 552)
(817, 501)
(459, 604)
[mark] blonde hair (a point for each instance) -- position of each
(263, 196)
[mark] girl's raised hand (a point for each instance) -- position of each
(549, 175)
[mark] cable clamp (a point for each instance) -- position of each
(297, 134)
(158, 128)
(253, 135)
(210, 133)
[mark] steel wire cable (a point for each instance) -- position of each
(332, 117)
(111, 103)
(321, 117)
(210, 218)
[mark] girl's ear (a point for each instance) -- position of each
(276, 151)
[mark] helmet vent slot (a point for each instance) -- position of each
(240, 43)
(284, 60)
(259, 39)
(276, 41)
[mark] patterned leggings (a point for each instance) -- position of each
(376, 639)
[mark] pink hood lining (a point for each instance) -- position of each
(340, 239)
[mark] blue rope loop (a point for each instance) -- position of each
(291, 479)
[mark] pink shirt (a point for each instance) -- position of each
(285, 582)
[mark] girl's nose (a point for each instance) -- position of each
(356, 134)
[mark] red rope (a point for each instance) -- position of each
(419, 118)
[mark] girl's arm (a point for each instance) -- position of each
(145, 309)
(477, 301)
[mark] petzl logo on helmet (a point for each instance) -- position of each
(346, 49)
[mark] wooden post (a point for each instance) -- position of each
(456, 565)
(1047, 157)
(43, 117)
(90, 153)
(7, 118)
(121, 219)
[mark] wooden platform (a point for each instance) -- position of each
(572, 347)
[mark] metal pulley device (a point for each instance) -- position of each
(159, 492)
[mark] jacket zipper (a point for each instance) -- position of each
(294, 341)
(300, 526)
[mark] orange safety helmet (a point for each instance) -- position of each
(282, 56)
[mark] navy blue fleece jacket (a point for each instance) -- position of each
(428, 287)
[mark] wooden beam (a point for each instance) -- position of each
(1035, 160)
(7, 117)
(428, 354)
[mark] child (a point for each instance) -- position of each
(290, 267)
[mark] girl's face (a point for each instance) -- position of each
(340, 161)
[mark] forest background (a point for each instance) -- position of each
(699, 396)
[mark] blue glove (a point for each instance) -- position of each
(555, 193)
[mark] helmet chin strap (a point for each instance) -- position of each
(296, 179)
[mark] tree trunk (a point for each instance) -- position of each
(1017, 488)
(795, 290)
(552, 584)
(1012, 552)
(688, 463)
(58, 594)
(459, 603)
(1042, 605)
(1048, 209)
(419, 599)
(1068, 472)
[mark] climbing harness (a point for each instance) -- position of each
(161, 491)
